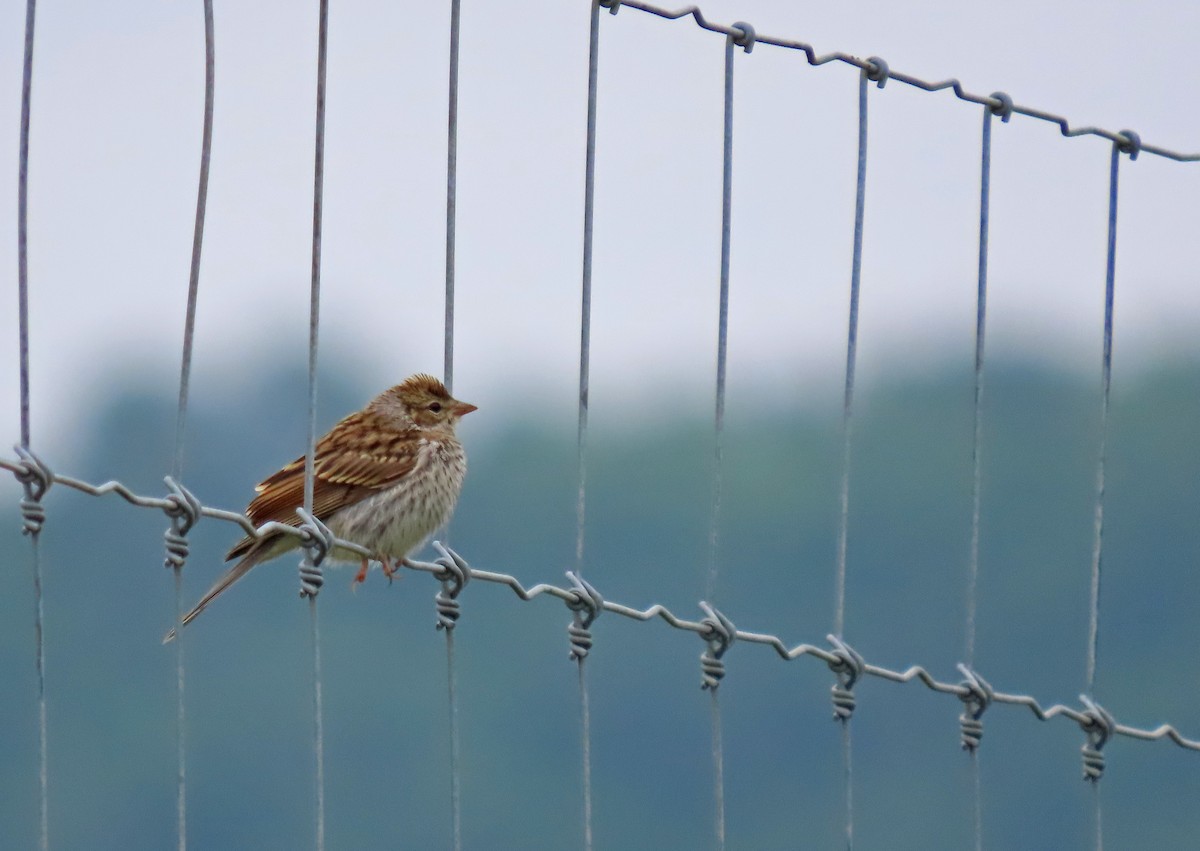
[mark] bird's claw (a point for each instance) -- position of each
(385, 563)
(361, 576)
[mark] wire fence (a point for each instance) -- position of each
(715, 628)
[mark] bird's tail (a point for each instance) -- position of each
(262, 551)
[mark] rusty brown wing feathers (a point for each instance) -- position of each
(361, 455)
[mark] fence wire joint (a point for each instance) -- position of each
(454, 575)
(1003, 106)
(743, 35)
(719, 633)
(37, 478)
(184, 510)
(1130, 143)
(877, 71)
(317, 541)
(587, 606)
(976, 699)
(1098, 724)
(848, 666)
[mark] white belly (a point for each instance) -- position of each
(396, 521)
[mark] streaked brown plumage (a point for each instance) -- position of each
(385, 478)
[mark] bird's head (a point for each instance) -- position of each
(424, 401)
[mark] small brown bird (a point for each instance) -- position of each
(384, 478)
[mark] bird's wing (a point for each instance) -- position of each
(360, 456)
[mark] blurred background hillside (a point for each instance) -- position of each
(115, 145)
(110, 683)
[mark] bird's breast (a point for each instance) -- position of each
(395, 521)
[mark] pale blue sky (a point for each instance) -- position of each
(116, 123)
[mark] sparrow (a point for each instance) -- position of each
(385, 478)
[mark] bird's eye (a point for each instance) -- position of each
(435, 406)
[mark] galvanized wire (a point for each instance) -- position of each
(310, 568)
(742, 36)
(455, 744)
(451, 193)
(585, 347)
(448, 377)
(189, 325)
(985, 182)
(178, 546)
(860, 189)
(1083, 717)
(1093, 650)
(839, 621)
(31, 504)
(314, 316)
(23, 219)
(1106, 392)
(1121, 138)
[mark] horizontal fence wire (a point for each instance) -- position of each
(1127, 140)
(1088, 717)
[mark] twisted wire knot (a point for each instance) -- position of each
(184, 510)
(878, 72)
(587, 606)
(317, 542)
(1098, 724)
(37, 478)
(448, 610)
(33, 516)
(177, 549)
(976, 700)
(742, 35)
(719, 633)
(1003, 107)
(454, 575)
(613, 6)
(847, 665)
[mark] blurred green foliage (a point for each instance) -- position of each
(249, 728)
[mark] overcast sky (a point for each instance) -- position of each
(117, 108)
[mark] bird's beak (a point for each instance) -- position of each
(463, 408)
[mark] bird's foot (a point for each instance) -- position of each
(388, 570)
(361, 576)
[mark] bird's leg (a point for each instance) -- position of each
(361, 576)
(389, 571)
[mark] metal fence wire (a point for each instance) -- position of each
(715, 628)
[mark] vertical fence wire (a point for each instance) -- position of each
(985, 183)
(23, 219)
(189, 326)
(185, 371)
(310, 452)
(30, 494)
(1093, 650)
(722, 325)
(448, 377)
(452, 713)
(847, 432)
(585, 345)
(1106, 378)
(451, 198)
(718, 751)
(851, 357)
